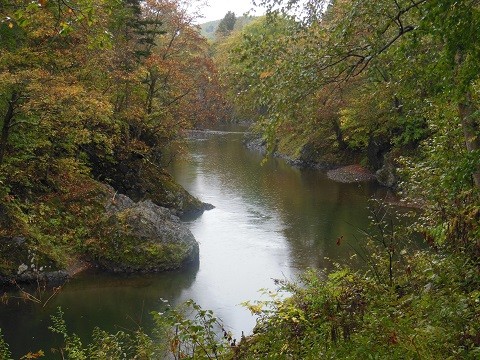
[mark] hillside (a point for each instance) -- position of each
(208, 29)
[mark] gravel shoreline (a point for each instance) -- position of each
(351, 174)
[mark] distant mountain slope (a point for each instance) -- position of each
(208, 29)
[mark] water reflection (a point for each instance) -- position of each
(111, 302)
(303, 209)
(271, 221)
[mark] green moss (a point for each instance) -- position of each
(18, 253)
(128, 243)
(162, 189)
(130, 254)
(52, 226)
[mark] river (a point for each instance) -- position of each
(271, 221)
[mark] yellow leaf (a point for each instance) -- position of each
(10, 25)
(31, 355)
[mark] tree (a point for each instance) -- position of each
(363, 34)
(226, 25)
(49, 105)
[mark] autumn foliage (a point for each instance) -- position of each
(92, 90)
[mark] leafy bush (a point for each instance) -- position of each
(432, 311)
(190, 332)
(134, 346)
(4, 349)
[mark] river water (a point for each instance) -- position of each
(271, 221)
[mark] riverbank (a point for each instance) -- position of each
(337, 168)
(99, 227)
(427, 311)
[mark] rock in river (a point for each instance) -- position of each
(143, 237)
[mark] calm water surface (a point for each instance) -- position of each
(270, 221)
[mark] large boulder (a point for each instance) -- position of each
(142, 237)
(159, 186)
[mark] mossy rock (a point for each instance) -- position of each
(160, 187)
(22, 262)
(140, 179)
(143, 237)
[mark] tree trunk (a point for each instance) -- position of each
(471, 131)
(466, 112)
(151, 92)
(7, 123)
(339, 134)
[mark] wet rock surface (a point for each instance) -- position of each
(143, 237)
(22, 263)
(140, 179)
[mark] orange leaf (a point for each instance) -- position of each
(265, 74)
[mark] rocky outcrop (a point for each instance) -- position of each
(140, 179)
(129, 237)
(142, 237)
(308, 156)
(387, 175)
(21, 263)
(337, 164)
